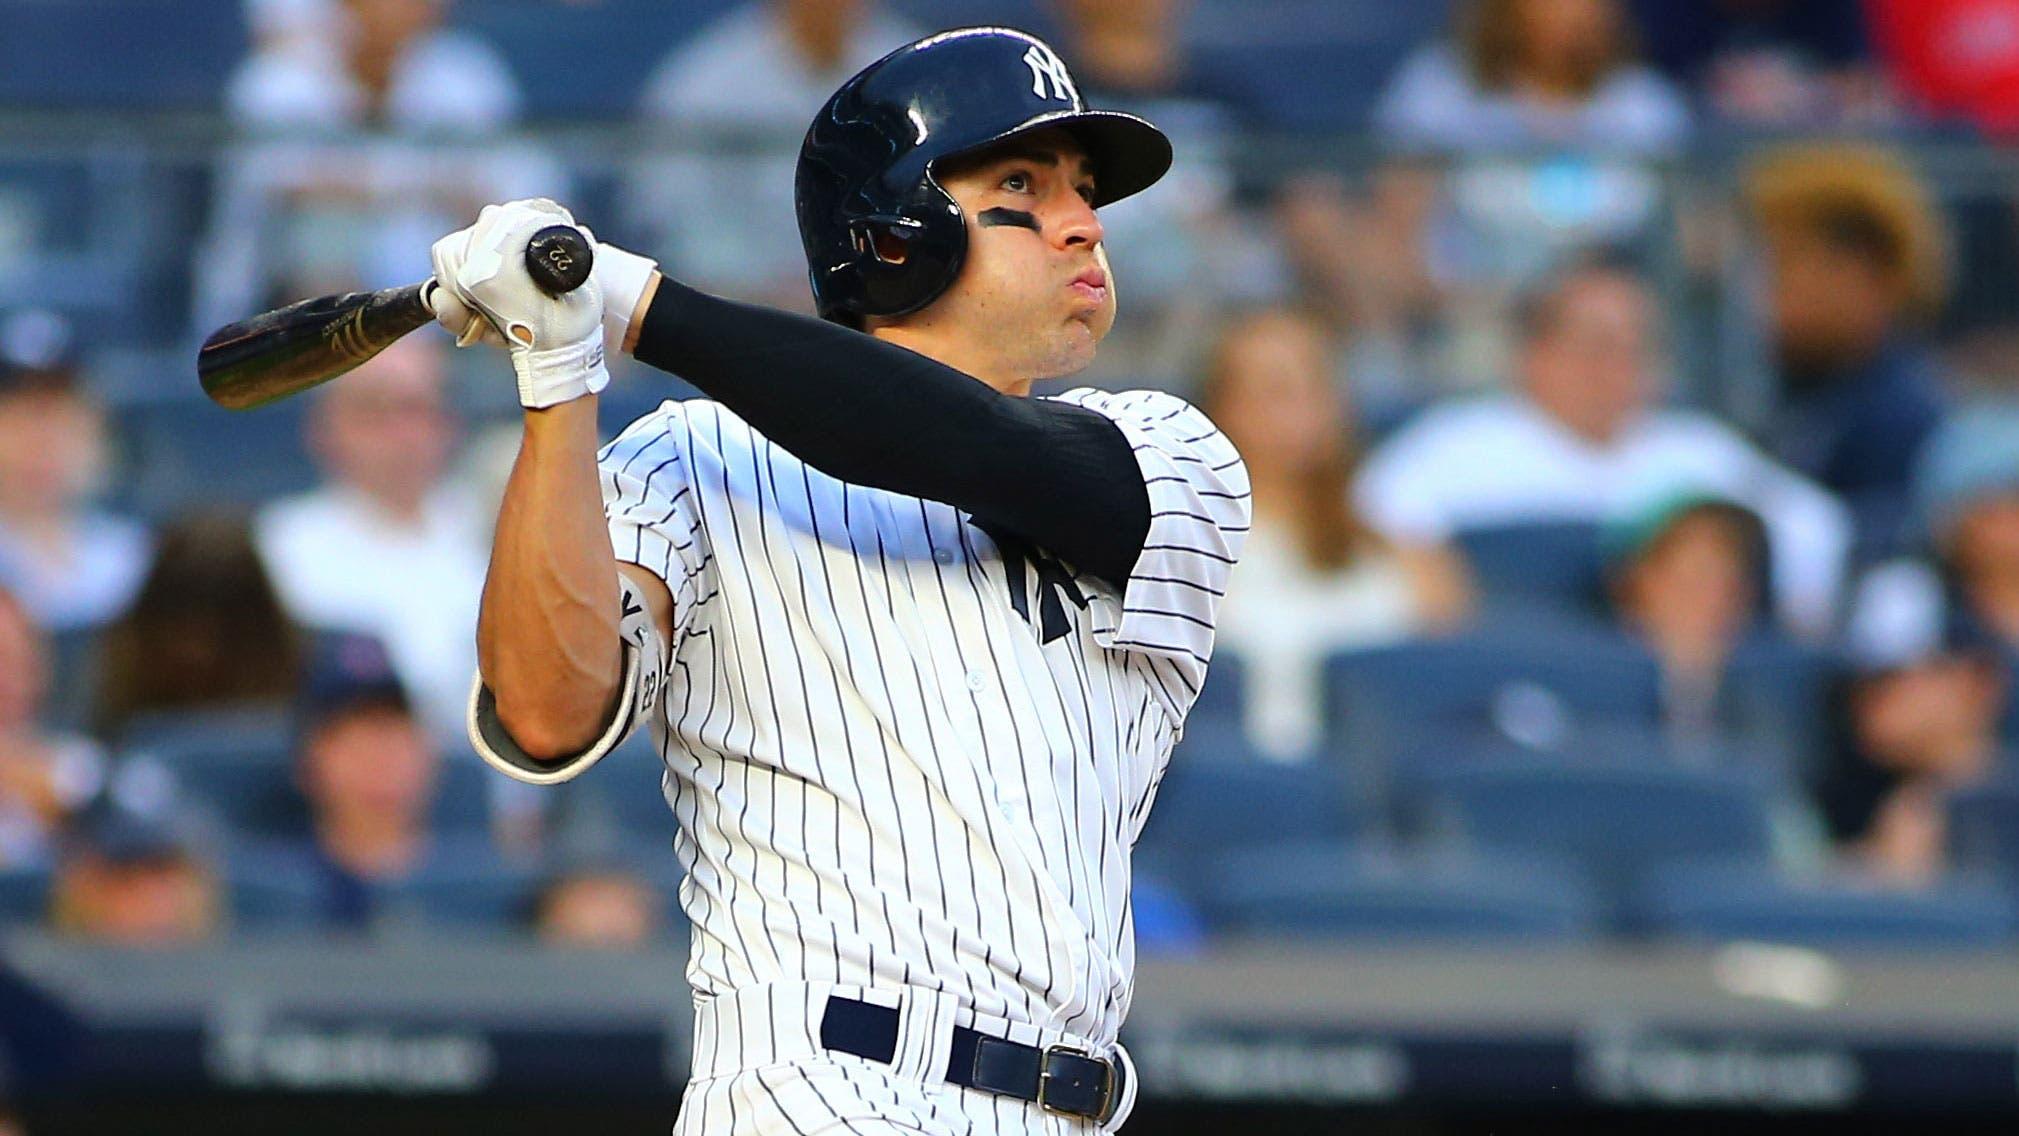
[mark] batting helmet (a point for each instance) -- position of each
(866, 166)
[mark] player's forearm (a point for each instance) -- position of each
(872, 413)
(547, 636)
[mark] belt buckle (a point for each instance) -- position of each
(1048, 1075)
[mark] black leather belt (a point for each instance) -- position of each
(1061, 1079)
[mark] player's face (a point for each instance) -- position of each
(1036, 282)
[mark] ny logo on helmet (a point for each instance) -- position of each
(1046, 66)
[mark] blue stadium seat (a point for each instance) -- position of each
(1984, 827)
(249, 795)
(624, 791)
(1220, 699)
(153, 54)
(1537, 683)
(73, 678)
(1548, 564)
(626, 38)
(274, 885)
(490, 895)
(1614, 822)
(187, 452)
(1333, 891)
(1310, 65)
(24, 895)
(262, 900)
(185, 739)
(1205, 810)
(1723, 902)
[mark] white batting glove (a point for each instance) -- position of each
(622, 273)
(556, 342)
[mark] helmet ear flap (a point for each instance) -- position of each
(905, 258)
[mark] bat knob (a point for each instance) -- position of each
(559, 260)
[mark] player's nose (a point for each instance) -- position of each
(1078, 224)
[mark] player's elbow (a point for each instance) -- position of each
(553, 726)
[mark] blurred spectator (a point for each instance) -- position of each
(368, 771)
(277, 24)
(1955, 60)
(1683, 574)
(740, 95)
(1527, 73)
(1315, 578)
(1585, 437)
(1922, 713)
(72, 565)
(387, 547)
(1768, 63)
(1550, 125)
(134, 873)
(1967, 492)
(1175, 245)
(44, 777)
(207, 631)
(1365, 264)
(602, 908)
(301, 211)
(1857, 263)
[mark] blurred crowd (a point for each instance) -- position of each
(1522, 492)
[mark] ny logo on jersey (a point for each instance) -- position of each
(1053, 581)
(1046, 67)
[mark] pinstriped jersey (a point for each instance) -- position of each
(904, 746)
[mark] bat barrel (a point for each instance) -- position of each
(275, 354)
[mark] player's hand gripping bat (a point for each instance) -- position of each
(278, 353)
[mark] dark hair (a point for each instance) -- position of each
(207, 629)
(1330, 532)
(1489, 37)
(1537, 307)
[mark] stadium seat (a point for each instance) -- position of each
(1984, 827)
(1309, 65)
(184, 739)
(73, 678)
(624, 791)
(1612, 821)
(1723, 902)
(1206, 810)
(111, 54)
(1547, 564)
(24, 895)
(492, 896)
(248, 795)
(626, 38)
(1537, 684)
(267, 901)
(1333, 891)
(183, 453)
(1220, 698)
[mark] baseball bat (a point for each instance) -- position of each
(288, 350)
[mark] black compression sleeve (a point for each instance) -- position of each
(873, 413)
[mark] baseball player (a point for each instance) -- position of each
(914, 646)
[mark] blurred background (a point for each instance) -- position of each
(1612, 717)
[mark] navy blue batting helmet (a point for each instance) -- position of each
(866, 166)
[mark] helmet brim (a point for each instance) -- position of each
(1129, 155)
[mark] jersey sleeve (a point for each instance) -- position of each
(648, 498)
(1199, 516)
(648, 501)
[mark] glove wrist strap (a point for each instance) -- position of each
(561, 374)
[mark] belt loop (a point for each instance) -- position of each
(925, 1024)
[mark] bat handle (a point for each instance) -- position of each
(559, 260)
